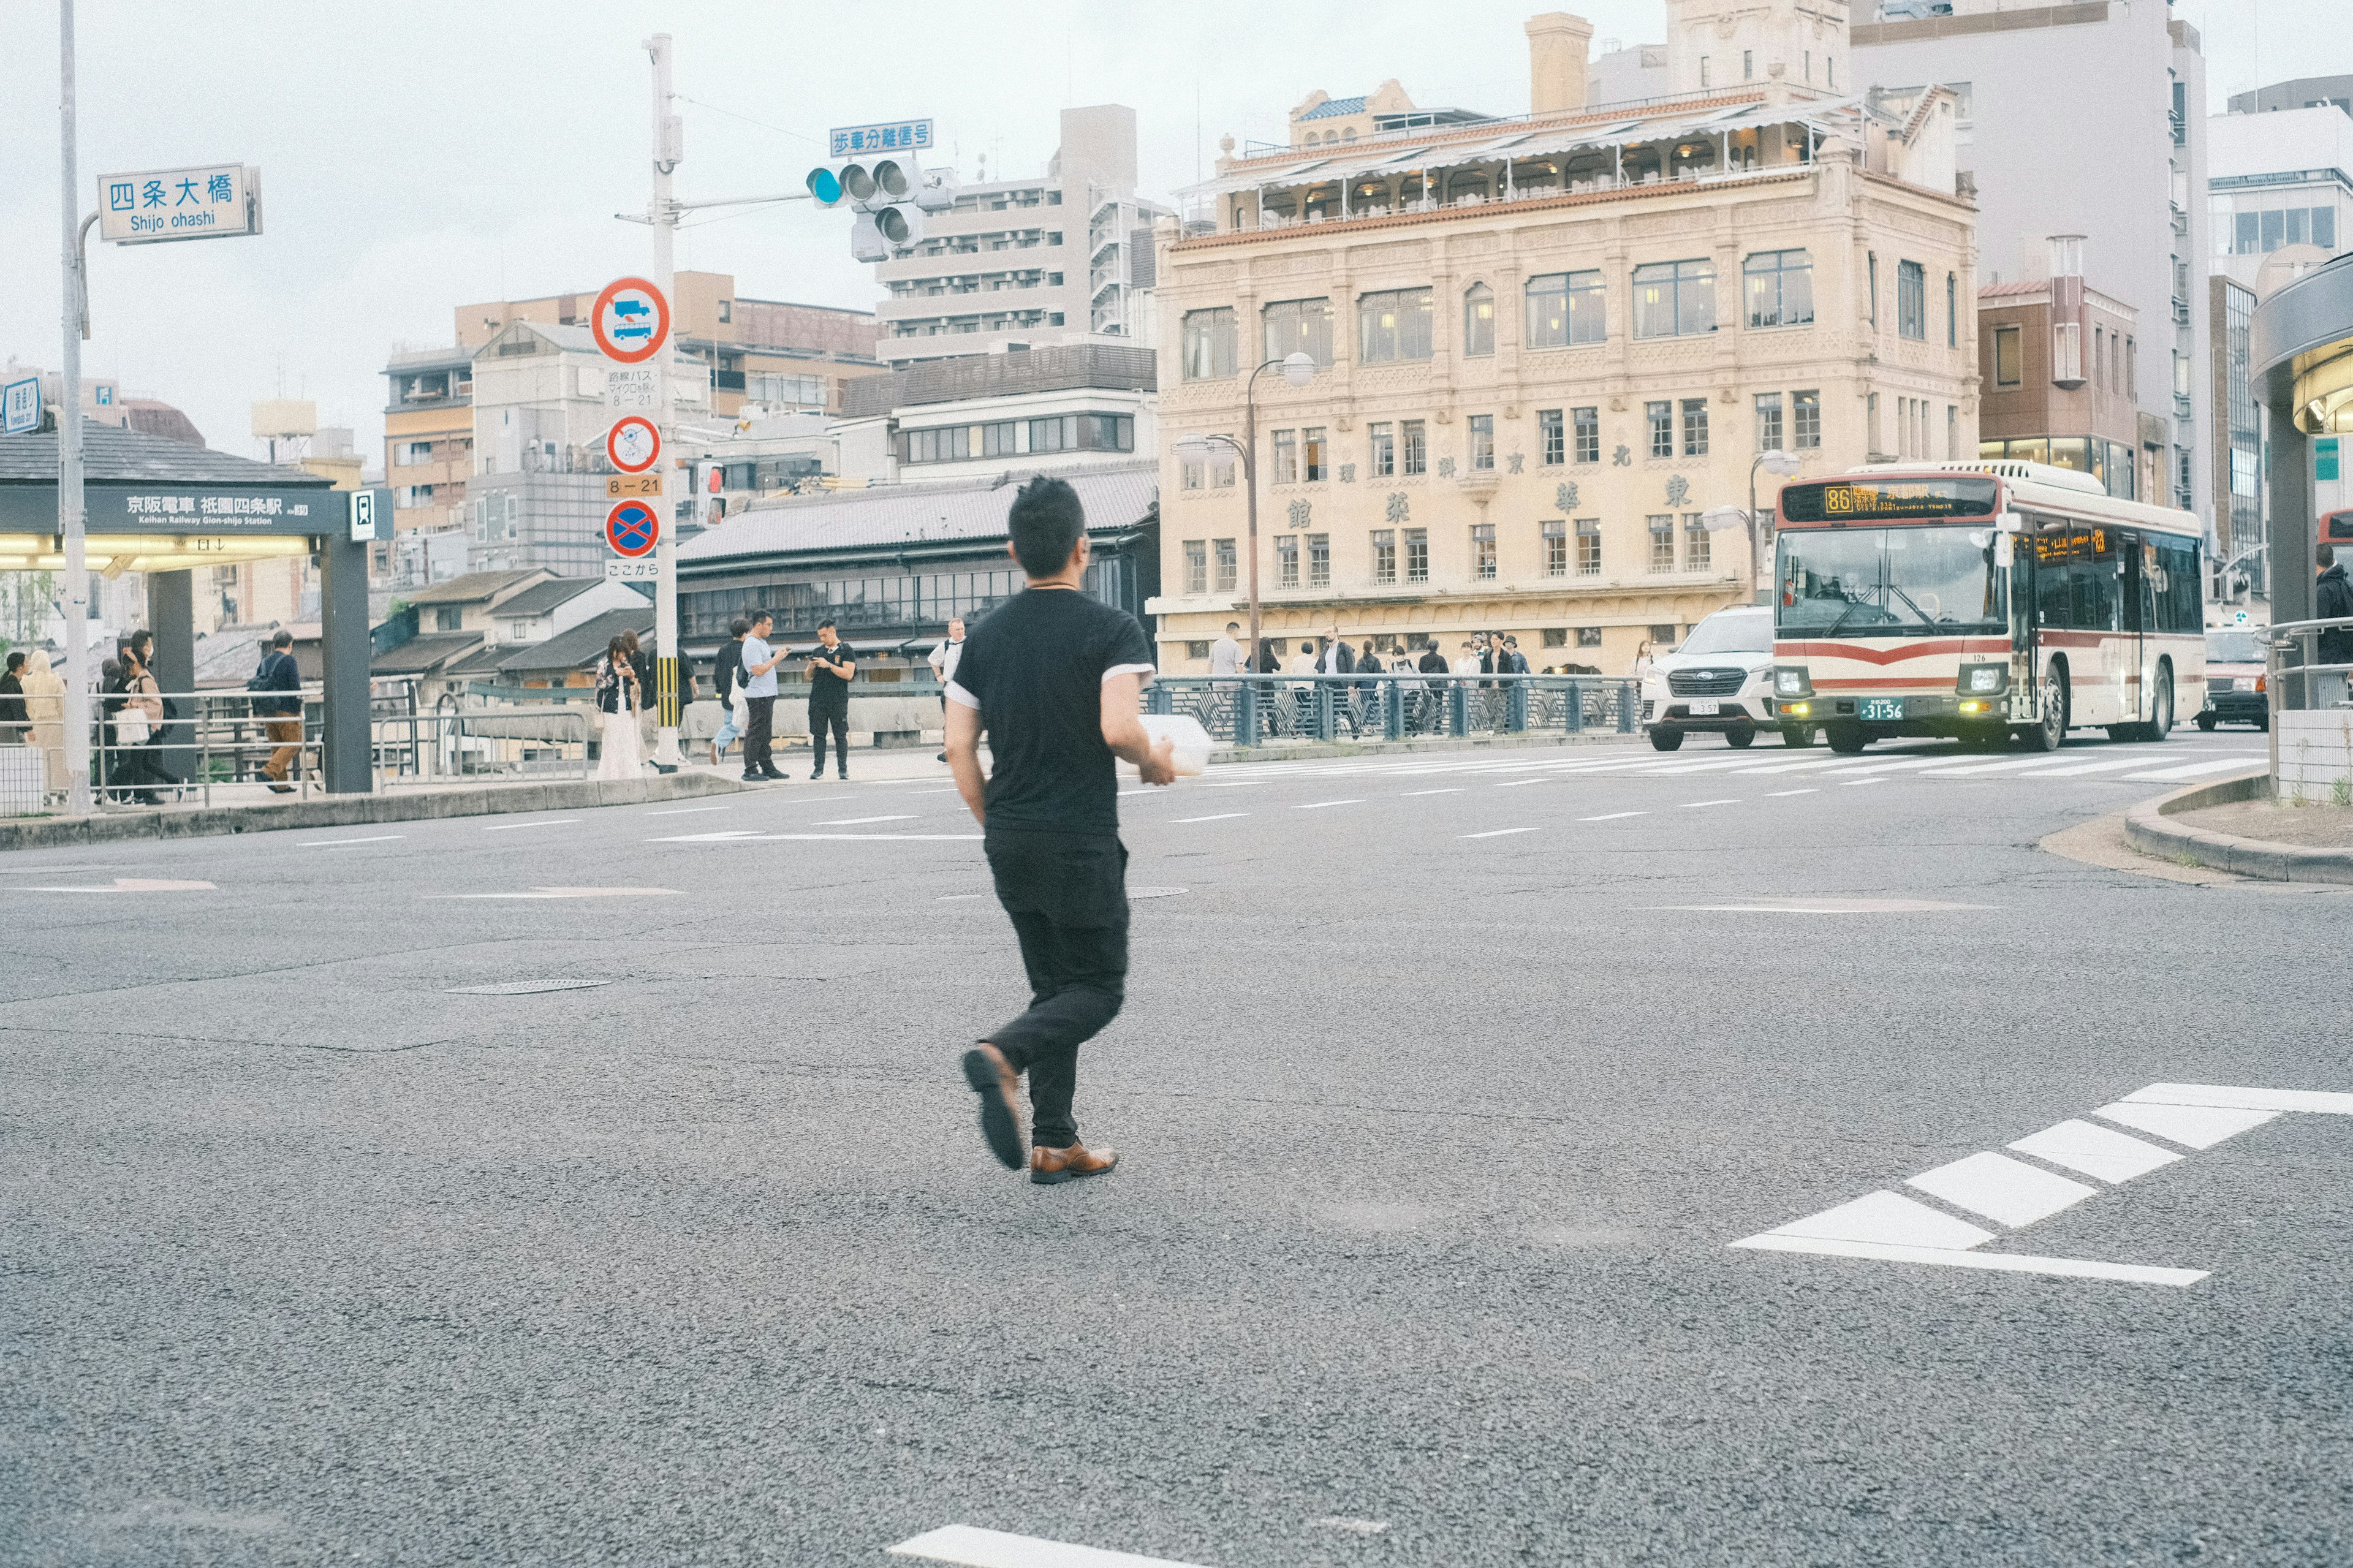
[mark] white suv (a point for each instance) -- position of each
(1720, 680)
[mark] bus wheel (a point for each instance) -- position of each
(2048, 735)
(1666, 740)
(2162, 725)
(1846, 739)
(1740, 739)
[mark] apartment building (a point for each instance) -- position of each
(1076, 406)
(2058, 366)
(1548, 346)
(2279, 187)
(2036, 80)
(1021, 263)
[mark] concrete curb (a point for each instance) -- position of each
(356, 810)
(1288, 751)
(2147, 830)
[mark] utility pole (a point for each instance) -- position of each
(662, 212)
(69, 486)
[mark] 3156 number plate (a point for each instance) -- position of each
(1882, 710)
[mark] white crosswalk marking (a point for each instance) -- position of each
(2194, 769)
(973, 1548)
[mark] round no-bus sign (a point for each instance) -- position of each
(630, 320)
(633, 444)
(633, 527)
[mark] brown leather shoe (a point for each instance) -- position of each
(993, 1078)
(1050, 1167)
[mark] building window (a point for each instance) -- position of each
(1588, 434)
(1299, 326)
(1286, 456)
(1384, 555)
(1662, 419)
(1703, 72)
(1393, 328)
(726, 309)
(1662, 541)
(1556, 637)
(1694, 426)
(1674, 299)
(1952, 431)
(1952, 311)
(1555, 548)
(1226, 565)
(1748, 65)
(1286, 560)
(1312, 447)
(1874, 259)
(1483, 550)
(1769, 421)
(2008, 357)
(1482, 443)
(1911, 300)
(1698, 557)
(1565, 309)
(1190, 475)
(2132, 365)
(1478, 322)
(1196, 566)
(1588, 547)
(448, 618)
(1381, 444)
(1805, 421)
(1780, 288)
(1319, 560)
(2067, 350)
(1417, 556)
(1588, 637)
(1209, 345)
(1550, 437)
(1416, 446)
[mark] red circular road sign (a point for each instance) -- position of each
(633, 444)
(633, 527)
(631, 320)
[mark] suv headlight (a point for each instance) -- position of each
(1792, 680)
(1984, 679)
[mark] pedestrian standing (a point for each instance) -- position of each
(2332, 599)
(648, 715)
(45, 709)
(760, 700)
(1225, 653)
(282, 714)
(620, 696)
(1053, 676)
(830, 668)
(943, 659)
(1519, 661)
(139, 727)
(1432, 663)
(13, 719)
(726, 675)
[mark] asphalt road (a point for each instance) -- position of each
(1444, 1086)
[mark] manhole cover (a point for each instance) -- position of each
(1156, 893)
(525, 987)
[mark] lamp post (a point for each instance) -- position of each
(1298, 369)
(1718, 516)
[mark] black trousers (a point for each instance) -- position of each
(1067, 896)
(825, 716)
(759, 718)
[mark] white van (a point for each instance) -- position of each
(1720, 682)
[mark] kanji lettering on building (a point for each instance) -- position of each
(1445, 468)
(1678, 490)
(1565, 497)
(1514, 460)
(1348, 473)
(1398, 507)
(1299, 514)
(1621, 457)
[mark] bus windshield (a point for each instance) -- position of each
(1890, 582)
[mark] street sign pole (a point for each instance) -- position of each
(69, 475)
(665, 225)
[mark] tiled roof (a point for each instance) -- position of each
(541, 597)
(111, 454)
(580, 647)
(470, 589)
(424, 654)
(1114, 496)
(1334, 108)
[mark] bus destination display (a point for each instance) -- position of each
(1897, 501)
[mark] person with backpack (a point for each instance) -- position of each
(280, 708)
(726, 675)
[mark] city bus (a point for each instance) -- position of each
(1985, 601)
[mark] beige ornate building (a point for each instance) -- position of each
(1548, 345)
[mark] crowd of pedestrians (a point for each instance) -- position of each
(1284, 710)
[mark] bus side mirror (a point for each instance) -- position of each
(2002, 552)
(2010, 522)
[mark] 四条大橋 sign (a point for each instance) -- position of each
(213, 201)
(631, 320)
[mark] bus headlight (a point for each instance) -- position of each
(1985, 680)
(1792, 680)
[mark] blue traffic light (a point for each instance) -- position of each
(824, 186)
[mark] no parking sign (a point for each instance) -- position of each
(632, 527)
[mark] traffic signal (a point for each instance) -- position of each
(890, 196)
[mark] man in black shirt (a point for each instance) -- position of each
(829, 669)
(1053, 676)
(726, 671)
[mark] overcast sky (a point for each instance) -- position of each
(428, 153)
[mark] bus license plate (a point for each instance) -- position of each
(1706, 709)
(1882, 710)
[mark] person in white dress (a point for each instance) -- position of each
(618, 703)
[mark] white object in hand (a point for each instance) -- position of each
(1191, 742)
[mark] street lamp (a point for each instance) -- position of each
(1721, 517)
(1298, 369)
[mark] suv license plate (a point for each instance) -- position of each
(1706, 709)
(1882, 709)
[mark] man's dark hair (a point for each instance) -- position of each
(738, 626)
(2325, 556)
(1046, 523)
(829, 621)
(15, 662)
(1233, 626)
(757, 616)
(283, 639)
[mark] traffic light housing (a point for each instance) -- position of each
(890, 196)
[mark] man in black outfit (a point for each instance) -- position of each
(2332, 600)
(1054, 677)
(829, 669)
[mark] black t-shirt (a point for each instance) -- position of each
(828, 689)
(727, 667)
(1035, 667)
(1433, 663)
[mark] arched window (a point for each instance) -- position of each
(1478, 322)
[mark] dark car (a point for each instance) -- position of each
(2234, 680)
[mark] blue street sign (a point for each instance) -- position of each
(20, 402)
(890, 136)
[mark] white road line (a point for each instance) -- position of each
(2193, 770)
(551, 822)
(1320, 805)
(2007, 1192)
(2191, 1126)
(862, 821)
(1612, 816)
(330, 843)
(2324, 1103)
(2099, 1152)
(689, 810)
(1501, 832)
(1412, 793)
(2012, 765)
(125, 885)
(1670, 770)
(1853, 783)
(2066, 770)
(1785, 793)
(970, 1547)
(1220, 816)
(1887, 1219)
(1514, 783)
(2000, 1262)
(862, 838)
(1695, 805)
(1909, 762)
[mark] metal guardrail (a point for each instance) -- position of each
(2303, 639)
(1250, 710)
(477, 743)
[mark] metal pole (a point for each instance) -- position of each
(70, 495)
(1250, 478)
(664, 213)
(1752, 527)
